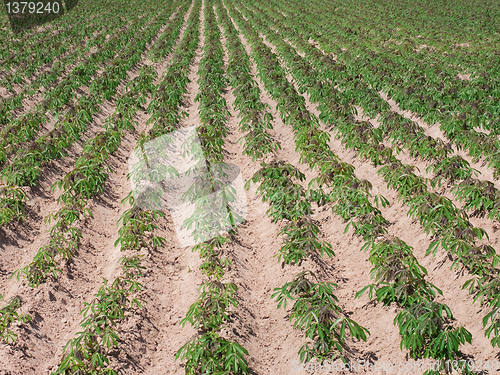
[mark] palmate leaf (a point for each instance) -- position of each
(8, 315)
(446, 344)
(234, 356)
(210, 353)
(492, 318)
(157, 241)
(72, 361)
(109, 339)
(425, 333)
(282, 295)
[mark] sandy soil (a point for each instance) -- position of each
(355, 264)
(151, 337)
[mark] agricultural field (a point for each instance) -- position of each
(235, 187)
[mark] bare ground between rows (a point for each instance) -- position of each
(432, 130)
(56, 306)
(265, 332)
(30, 103)
(345, 269)
(491, 226)
(176, 287)
(42, 200)
(151, 338)
(468, 315)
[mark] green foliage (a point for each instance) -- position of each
(9, 315)
(12, 204)
(315, 311)
(88, 351)
(301, 242)
(421, 327)
(134, 225)
(209, 353)
(399, 279)
(210, 311)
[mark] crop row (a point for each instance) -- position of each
(254, 115)
(26, 126)
(416, 84)
(289, 203)
(208, 351)
(407, 287)
(47, 79)
(87, 180)
(481, 197)
(35, 57)
(89, 350)
(437, 215)
(32, 43)
(27, 163)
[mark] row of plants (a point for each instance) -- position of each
(34, 57)
(30, 44)
(23, 129)
(438, 215)
(26, 165)
(481, 197)
(163, 45)
(47, 79)
(416, 84)
(254, 115)
(208, 351)
(85, 181)
(166, 102)
(289, 204)
(88, 351)
(12, 204)
(439, 340)
(8, 315)
(315, 306)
